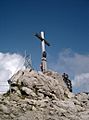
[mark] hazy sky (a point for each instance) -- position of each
(65, 22)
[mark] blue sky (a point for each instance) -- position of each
(65, 22)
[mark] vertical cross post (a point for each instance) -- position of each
(41, 36)
(43, 60)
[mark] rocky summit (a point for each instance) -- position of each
(37, 96)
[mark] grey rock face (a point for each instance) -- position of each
(37, 96)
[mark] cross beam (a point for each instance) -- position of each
(40, 37)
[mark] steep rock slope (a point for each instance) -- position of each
(37, 96)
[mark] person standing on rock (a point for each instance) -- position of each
(41, 66)
(67, 81)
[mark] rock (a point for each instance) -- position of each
(38, 96)
(4, 109)
(82, 97)
(22, 118)
(28, 91)
(69, 94)
(12, 116)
